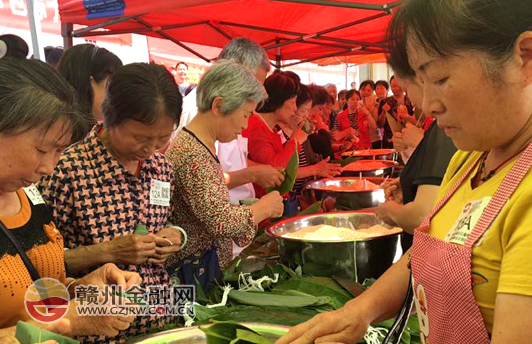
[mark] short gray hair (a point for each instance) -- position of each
(247, 53)
(232, 82)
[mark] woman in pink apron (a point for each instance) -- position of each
(469, 271)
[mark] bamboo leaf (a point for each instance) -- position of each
(251, 337)
(346, 161)
(264, 314)
(290, 175)
(223, 332)
(313, 209)
(318, 287)
(269, 299)
(141, 230)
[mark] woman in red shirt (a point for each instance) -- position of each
(264, 144)
(357, 117)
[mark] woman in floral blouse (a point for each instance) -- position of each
(227, 96)
(112, 184)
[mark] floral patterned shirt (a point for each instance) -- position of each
(201, 203)
(95, 199)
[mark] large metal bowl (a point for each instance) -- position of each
(354, 259)
(193, 335)
(344, 199)
(373, 154)
(382, 172)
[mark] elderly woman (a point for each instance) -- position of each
(227, 96)
(110, 193)
(310, 165)
(470, 261)
(265, 145)
(37, 120)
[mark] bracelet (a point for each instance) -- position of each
(70, 283)
(183, 234)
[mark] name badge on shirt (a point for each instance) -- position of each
(160, 193)
(467, 221)
(34, 195)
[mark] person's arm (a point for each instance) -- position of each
(513, 302)
(409, 216)
(342, 134)
(263, 175)
(363, 112)
(349, 324)
(207, 199)
(383, 108)
(8, 332)
(321, 169)
(128, 249)
(512, 322)
(56, 189)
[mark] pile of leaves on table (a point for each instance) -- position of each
(256, 291)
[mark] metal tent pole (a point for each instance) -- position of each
(344, 4)
(66, 32)
(278, 56)
(346, 70)
(35, 30)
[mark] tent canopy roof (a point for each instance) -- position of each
(304, 30)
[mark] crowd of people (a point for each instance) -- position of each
(94, 151)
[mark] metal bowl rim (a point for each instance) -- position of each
(307, 185)
(390, 163)
(350, 153)
(297, 218)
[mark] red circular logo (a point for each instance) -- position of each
(46, 300)
(160, 310)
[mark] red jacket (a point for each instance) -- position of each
(266, 147)
(363, 128)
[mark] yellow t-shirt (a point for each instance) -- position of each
(502, 260)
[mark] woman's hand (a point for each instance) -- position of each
(364, 111)
(96, 325)
(398, 142)
(266, 176)
(269, 206)
(299, 135)
(412, 135)
(274, 203)
(168, 242)
(345, 325)
(384, 211)
(326, 169)
(392, 190)
(110, 274)
(131, 249)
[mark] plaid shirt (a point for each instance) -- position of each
(95, 199)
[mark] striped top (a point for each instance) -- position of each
(353, 119)
(303, 160)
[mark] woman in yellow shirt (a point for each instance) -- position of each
(470, 261)
(37, 120)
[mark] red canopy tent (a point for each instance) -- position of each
(303, 30)
(352, 59)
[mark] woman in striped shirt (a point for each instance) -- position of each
(310, 165)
